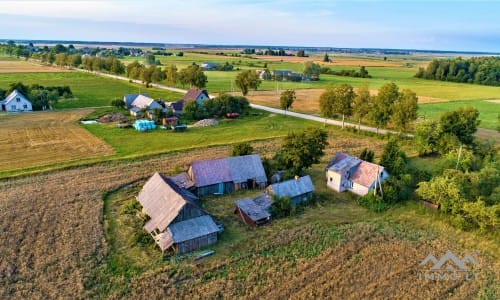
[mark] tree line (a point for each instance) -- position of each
(40, 96)
(477, 70)
(362, 73)
(216, 107)
(389, 106)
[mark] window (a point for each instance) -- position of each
(25, 106)
(18, 99)
(331, 179)
(13, 107)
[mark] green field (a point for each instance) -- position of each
(261, 125)
(89, 90)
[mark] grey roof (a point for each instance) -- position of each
(264, 201)
(192, 228)
(142, 101)
(129, 98)
(342, 163)
(252, 209)
(13, 95)
(235, 169)
(162, 200)
(293, 187)
(182, 180)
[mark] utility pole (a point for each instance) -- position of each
(459, 154)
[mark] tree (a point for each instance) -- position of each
(150, 59)
(426, 137)
(301, 53)
(405, 110)
(381, 111)
(344, 96)
(194, 76)
(240, 149)
(326, 101)
(366, 155)
(361, 104)
(286, 99)
(300, 150)
(247, 79)
(311, 70)
(326, 58)
(20, 87)
(393, 158)
(442, 191)
(461, 123)
(117, 103)
(61, 59)
(171, 74)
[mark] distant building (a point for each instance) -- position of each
(176, 221)
(345, 172)
(299, 190)
(209, 66)
(137, 102)
(15, 102)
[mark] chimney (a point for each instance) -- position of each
(297, 177)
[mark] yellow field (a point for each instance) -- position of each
(21, 66)
(35, 139)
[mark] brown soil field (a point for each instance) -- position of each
(307, 100)
(20, 66)
(337, 61)
(40, 138)
(53, 241)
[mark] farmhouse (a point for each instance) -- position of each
(286, 75)
(15, 102)
(345, 172)
(225, 175)
(176, 221)
(129, 98)
(299, 190)
(196, 95)
(208, 66)
(135, 103)
(254, 212)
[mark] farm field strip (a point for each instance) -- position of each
(21, 66)
(44, 138)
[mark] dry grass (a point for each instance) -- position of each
(337, 61)
(35, 139)
(20, 66)
(53, 243)
(308, 99)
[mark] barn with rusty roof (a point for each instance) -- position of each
(348, 173)
(225, 175)
(254, 211)
(176, 221)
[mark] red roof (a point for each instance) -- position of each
(366, 173)
(193, 94)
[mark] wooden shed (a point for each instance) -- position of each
(225, 175)
(176, 220)
(254, 212)
(299, 190)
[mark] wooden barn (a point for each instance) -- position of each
(299, 190)
(254, 212)
(225, 175)
(176, 220)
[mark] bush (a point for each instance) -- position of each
(243, 148)
(372, 202)
(282, 207)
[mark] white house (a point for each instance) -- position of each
(345, 172)
(137, 102)
(15, 102)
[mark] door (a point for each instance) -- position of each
(221, 188)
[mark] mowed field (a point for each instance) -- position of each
(66, 235)
(19, 66)
(34, 139)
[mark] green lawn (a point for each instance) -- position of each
(89, 90)
(489, 112)
(261, 125)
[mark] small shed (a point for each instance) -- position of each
(299, 190)
(254, 212)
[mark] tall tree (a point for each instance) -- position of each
(300, 150)
(344, 96)
(311, 70)
(326, 58)
(461, 123)
(286, 99)
(393, 158)
(361, 104)
(381, 111)
(326, 101)
(247, 79)
(171, 74)
(405, 110)
(194, 76)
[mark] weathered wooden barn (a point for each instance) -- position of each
(345, 172)
(176, 220)
(299, 190)
(225, 175)
(254, 212)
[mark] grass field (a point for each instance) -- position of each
(89, 90)
(11, 65)
(35, 139)
(75, 245)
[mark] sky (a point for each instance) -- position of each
(425, 24)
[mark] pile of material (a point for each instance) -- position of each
(206, 122)
(116, 117)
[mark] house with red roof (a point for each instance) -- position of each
(348, 173)
(196, 95)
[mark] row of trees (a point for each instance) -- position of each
(216, 107)
(389, 106)
(478, 70)
(147, 74)
(363, 73)
(40, 96)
